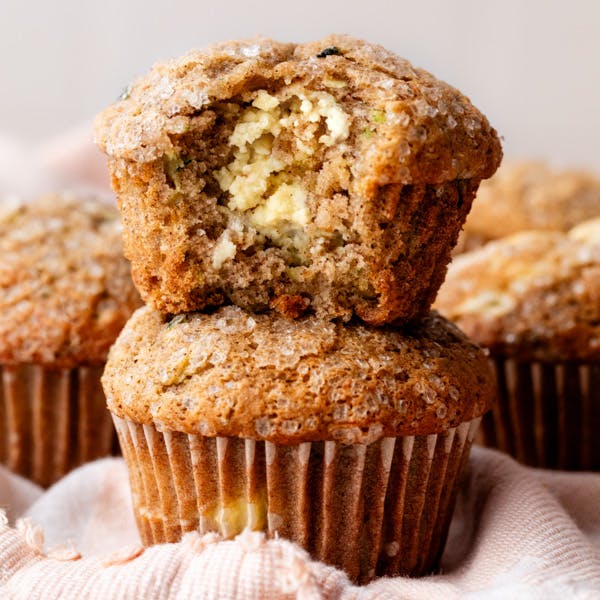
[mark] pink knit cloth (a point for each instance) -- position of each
(517, 533)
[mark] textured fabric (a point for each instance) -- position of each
(517, 533)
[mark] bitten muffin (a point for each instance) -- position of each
(530, 195)
(331, 177)
(65, 293)
(533, 299)
(349, 440)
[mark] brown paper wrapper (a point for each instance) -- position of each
(377, 509)
(52, 420)
(547, 414)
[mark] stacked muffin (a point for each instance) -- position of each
(65, 293)
(289, 211)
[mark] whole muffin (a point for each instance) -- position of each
(533, 299)
(348, 440)
(331, 177)
(530, 195)
(65, 293)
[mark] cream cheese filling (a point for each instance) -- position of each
(260, 185)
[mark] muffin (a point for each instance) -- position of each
(530, 195)
(533, 299)
(346, 439)
(329, 178)
(65, 293)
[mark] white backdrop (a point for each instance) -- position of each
(532, 66)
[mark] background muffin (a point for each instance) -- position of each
(530, 195)
(65, 293)
(329, 177)
(334, 436)
(533, 299)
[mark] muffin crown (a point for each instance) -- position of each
(65, 288)
(531, 195)
(266, 377)
(533, 295)
(426, 129)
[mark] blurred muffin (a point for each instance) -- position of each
(533, 299)
(330, 177)
(530, 195)
(348, 440)
(65, 293)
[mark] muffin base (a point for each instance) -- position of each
(547, 414)
(52, 420)
(377, 509)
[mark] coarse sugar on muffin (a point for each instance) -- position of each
(330, 435)
(65, 293)
(535, 295)
(533, 299)
(331, 178)
(526, 195)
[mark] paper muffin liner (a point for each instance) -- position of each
(377, 509)
(547, 414)
(52, 420)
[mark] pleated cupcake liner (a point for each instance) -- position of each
(52, 420)
(547, 414)
(371, 510)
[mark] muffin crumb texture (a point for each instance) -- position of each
(270, 378)
(254, 172)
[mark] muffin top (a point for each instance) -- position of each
(232, 373)
(65, 288)
(531, 195)
(533, 295)
(426, 131)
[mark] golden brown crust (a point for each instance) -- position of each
(531, 195)
(436, 136)
(267, 377)
(532, 295)
(65, 288)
